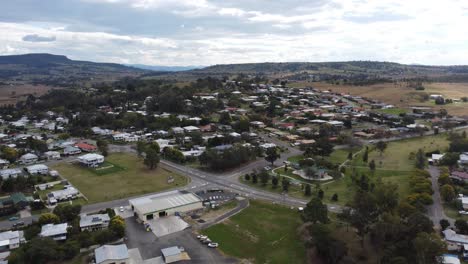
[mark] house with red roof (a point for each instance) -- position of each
(86, 147)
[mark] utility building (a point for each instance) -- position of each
(163, 204)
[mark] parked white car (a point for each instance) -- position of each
(213, 245)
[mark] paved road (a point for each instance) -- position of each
(242, 204)
(436, 210)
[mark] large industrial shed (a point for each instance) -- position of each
(163, 204)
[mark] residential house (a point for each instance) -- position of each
(10, 240)
(69, 192)
(56, 232)
(112, 254)
(177, 130)
(91, 159)
(71, 150)
(463, 160)
(28, 158)
(94, 222)
(37, 169)
(52, 155)
(4, 163)
(13, 203)
(83, 146)
(454, 241)
(10, 173)
(191, 129)
(460, 176)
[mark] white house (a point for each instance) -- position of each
(94, 222)
(4, 163)
(56, 232)
(463, 160)
(52, 155)
(37, 169)
(10, 240)
(69, 192)
(91, 159)
(28, 158)
(454, 241)
(191, 129)
(112, 254)
(10, 173)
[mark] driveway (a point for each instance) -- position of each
(436, 210)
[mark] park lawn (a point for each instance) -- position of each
(396, 156)
(261, 233)
(134, 179)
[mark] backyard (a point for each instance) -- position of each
(262, 233)
(132, 178)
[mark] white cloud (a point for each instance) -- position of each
(203, 32)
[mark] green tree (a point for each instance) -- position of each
(447, 192)
(372, 166)
(151, 158)
(272, 155)
(117, 226)
(307, 190)
(381, 146)
(444, 223)
(365, 156)
(461, 226)
(315, 211)
(322, 147)
(103, 147)
(428, 247)
(264, 178)
(67, 212)
(285, 184)
(48, 218)
(274, 181)
(420, 160)
(140, 148)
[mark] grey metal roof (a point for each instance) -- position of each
(53, 230)
(95, 219)
(111, 252)
(164, 201)
(170, 251)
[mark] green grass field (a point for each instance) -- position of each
(134, 178)
(262, 233)
(106, 168)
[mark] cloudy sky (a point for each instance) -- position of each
(206, 32)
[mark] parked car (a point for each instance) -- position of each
(206, 241)
(21, 223)
(202, 237)
(121, 209)
(213, 245)
(13, 218)
(463, 212)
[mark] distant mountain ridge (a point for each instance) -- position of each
(59, 70)
(162, 68)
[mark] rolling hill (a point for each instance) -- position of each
(58, 70)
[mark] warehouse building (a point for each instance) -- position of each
(163, 204)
